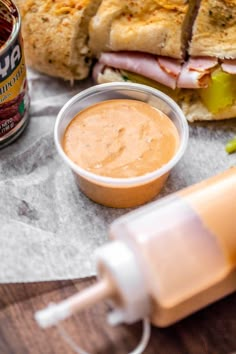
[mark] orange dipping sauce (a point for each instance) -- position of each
(121, 138)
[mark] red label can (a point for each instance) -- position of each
(14, 98)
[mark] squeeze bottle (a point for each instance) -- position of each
(167, 259)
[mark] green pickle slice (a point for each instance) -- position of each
(231, 146)
(221, 91)
(139, 79)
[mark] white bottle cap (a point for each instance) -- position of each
(122, 265)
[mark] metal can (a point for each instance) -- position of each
(14, 98)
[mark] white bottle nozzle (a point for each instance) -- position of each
(55, 313)
(127, 282)
(51, 315)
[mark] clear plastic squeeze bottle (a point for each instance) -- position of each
(167, 259)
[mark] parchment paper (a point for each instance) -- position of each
(49, 229)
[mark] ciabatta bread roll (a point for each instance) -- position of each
(214, 31)
(150, 26)
(55, 36)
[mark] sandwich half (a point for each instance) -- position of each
(187, 49)
(214, 36)
(56, 36)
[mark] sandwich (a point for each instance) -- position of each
(187, 49)
(55, 34)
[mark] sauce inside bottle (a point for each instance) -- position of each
(167, 259)
(187, 245)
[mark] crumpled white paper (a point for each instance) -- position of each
(49, 230)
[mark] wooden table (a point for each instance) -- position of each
(210, 331)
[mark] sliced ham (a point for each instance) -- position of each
(192, 79)
(196, 72)
(140, 63)
(202, 64)
(170, 66)
(229, 66)
(193, 74)
(97, 69)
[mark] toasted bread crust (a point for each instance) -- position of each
(195, 110)
(214, 30)
(151, 26)
(55, 36)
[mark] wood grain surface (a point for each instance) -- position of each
(210, 331)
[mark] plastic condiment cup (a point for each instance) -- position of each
(121, 192)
